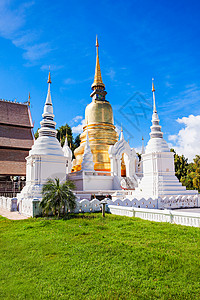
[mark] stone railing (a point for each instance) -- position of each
(170, 216)
(179, 202)
(160, 203)
(8, 203)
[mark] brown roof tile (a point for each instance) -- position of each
(14, 113)
(12, 162)
(18, 137)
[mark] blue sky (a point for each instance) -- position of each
(138, 40)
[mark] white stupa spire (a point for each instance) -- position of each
(47, 123)
(156, 142)
(155, 128)
(68, 154)
(122, 135)
(87, 163)
(48, 99)
(142, 145)
(66, 149)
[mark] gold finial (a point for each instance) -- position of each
(97, 43)
(97, 77)
(153, 88)
(49, 78)
(154, 100)
(29, 99)
(142, 139)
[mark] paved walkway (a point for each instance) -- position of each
(12, 215)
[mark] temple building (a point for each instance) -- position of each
(16, 139)
(105, 166)
(100, 124)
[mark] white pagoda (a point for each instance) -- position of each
(46, 160)
(159, 178)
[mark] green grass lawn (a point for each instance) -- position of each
(87, 257)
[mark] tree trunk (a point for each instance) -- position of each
(64, 210)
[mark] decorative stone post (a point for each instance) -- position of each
(103, 207)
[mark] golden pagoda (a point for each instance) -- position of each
(101, 129)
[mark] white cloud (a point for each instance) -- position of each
(79, 128)
(77, 118)
(11, 20)
(111, 74)
(70, 81)
(190, 96)
(52, 67)
(25, 38)
(36, 51)
(118, 129)
(187, 141)
(138, 149)
(168, 84)
(12, 24)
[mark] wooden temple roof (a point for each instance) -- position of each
(16, 137)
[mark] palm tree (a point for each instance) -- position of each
(58, 197)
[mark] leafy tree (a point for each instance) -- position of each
(36, 134)
(188, 179)
(62, 135)
(77, 141)
(62, 131)
(196, 179)
(57, 197)
(180, 164)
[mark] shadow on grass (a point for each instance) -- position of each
(70, 216)
(81, 216)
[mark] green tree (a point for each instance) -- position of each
(188, 179)
(77, 141)
(62, 131)
(36, 134)
(196, 179)
(57, 197)
(180, 164)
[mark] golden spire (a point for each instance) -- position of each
(97, 77)
(29, 99)
(153, 88)
(49, 78)
(154, 100)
